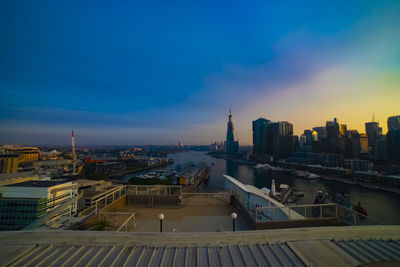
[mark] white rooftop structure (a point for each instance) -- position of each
(320, 246)
(252, 198)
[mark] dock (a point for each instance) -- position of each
(204, 174)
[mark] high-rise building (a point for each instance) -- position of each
(372, 130)
(232, 146)
(364, 142)
(393, 123)
(393, 144)
(356, 143)
(381, 151)
(332, 129)
(335, 129)
(273, 138)
(393, 138)
(260, 137)
(283, 142)
(8, 163)
(307, 139)
(321, 131)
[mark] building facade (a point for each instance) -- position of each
(273, 138)
(260, 137)
(9, 163)
(393, 138)
(372, 130)
(26, 155)
(321, 132)
(393, 123)
(23, 203)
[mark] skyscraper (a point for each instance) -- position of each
(332, 129)
(273, 138)
(321, 131)
(335, 129)
(260, 138)
(232, 146)
(283, 141)
(393, 137)
(372, 130)
(393, 123)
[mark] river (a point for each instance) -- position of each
(381, 205)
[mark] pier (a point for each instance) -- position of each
(203, 175)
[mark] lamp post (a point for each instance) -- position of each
(234, 217)
(161, 218)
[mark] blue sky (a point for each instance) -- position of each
(164, 72)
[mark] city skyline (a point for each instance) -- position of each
(173, 78)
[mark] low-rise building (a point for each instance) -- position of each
(9, 163)
(188, 175)
(94, 190)
(22, 203)
(18, 177)
(26, 155)
(330, 159)
(111, 169)
(358, 165)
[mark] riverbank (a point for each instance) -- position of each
(380, 204)
(363, 184)
(235, 160)
(352, 181)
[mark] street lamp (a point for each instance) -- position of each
(161, 218)
(234, 217)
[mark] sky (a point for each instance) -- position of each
(163, 72)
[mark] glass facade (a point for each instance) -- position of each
(18, 213)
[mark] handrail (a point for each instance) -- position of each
(127, 220)
(294, 207)
(206, 194)
(362, 215)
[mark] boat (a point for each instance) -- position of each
(267, 167)
(305, 175)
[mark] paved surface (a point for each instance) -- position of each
(323, 246)
(198, 214)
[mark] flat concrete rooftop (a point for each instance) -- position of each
(322, 246)
(197, 214)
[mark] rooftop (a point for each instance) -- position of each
(37, 183)
(198, 213)
(325, 246)
(9, 155)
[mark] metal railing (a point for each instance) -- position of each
(202, 198)
(118, 221)
(330, 211)
(154, 190)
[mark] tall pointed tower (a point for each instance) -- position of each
(231, 145)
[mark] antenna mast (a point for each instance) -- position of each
(73, 154)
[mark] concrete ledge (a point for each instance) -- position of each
(386, 232)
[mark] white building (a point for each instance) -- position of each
(23, 203)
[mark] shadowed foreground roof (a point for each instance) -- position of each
(323, 246)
